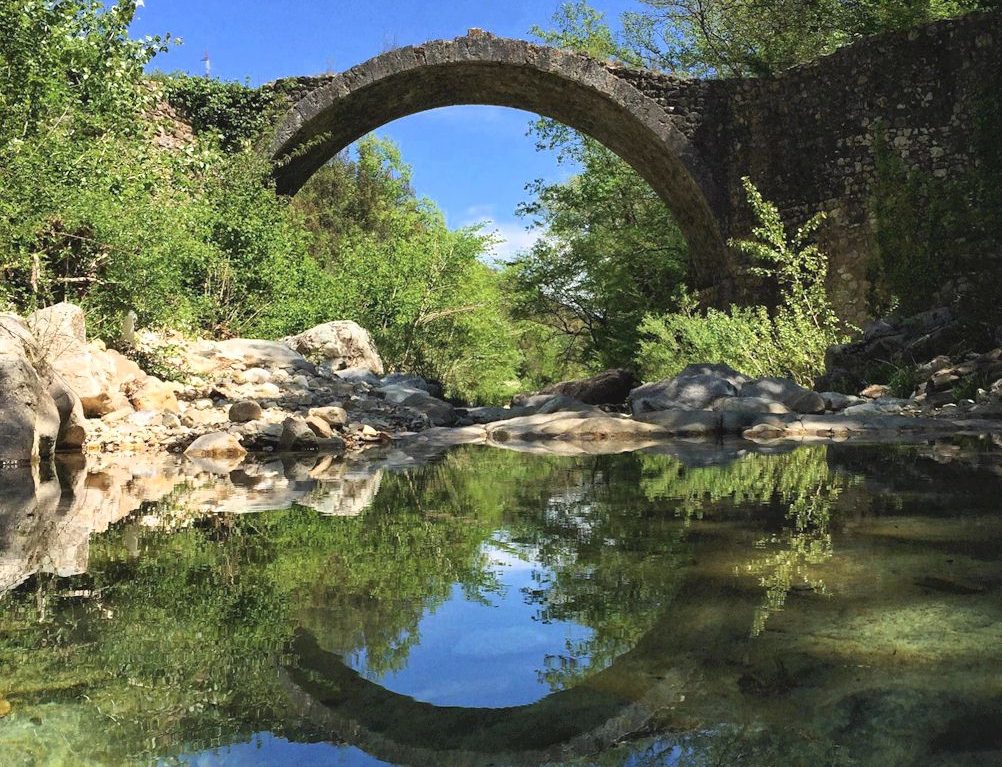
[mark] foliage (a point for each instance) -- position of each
(67, 65)
(609, 250)
(734, 38)
(610, 246)
(789, 341)
(93, 211)
(394, 267)
(235, 112)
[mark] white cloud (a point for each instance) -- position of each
(511, 237)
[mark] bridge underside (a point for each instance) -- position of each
(807, 137)
(572, 89)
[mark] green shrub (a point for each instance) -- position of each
(236, 113)
(790, 340)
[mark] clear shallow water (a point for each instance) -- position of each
(705, 605)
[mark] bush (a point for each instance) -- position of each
(791, 340)
(234, 112)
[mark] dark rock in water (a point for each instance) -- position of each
(610, 387)
(976, 732)
(297, 435)
(950, 586)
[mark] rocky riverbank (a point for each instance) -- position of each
(326, 390)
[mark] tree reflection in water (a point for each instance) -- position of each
(171, 642)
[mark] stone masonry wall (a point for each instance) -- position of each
(807, 137)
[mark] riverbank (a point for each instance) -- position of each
(326, 390)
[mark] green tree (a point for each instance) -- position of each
(610, 253)
(736, 38)
(423, 290)
(610, 249)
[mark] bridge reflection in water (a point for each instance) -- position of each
(780, 604)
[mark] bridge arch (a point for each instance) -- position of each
(482, 69)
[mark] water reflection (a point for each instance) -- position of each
(696, 605)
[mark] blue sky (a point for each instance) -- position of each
(473, 161)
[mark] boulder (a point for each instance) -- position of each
(29, 417)
(123, 370)
(439, 413)
(414, 382)
(358, 376)
(883, 406)
(718, 370)
(749, 405)
(482, 415)
(85, 370)
(688, 391)
(793, 396)
(319, 426)
(218, 444)
(398, 392)
(611, 387)
(554, 403)
(836, 402)
(153, 394)
(72, 431)
(297, 435)
(337, 346)
(57, 323)
(690, 423)
(876, 391)
(248, 353)
(245, 411)
(335, 416)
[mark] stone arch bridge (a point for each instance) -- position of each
(806, 137)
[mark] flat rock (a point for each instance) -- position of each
(574, 426)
